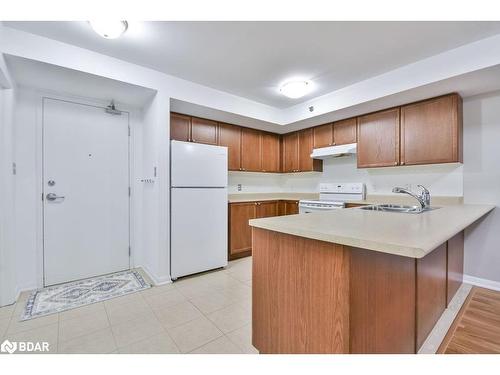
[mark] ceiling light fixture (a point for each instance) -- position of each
(109, 29)
(295, 89)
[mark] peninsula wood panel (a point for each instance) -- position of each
(455, 262)
(230, 137)
(431, 292)
(180, 127)
(300, 295)
(290, 152)
(378, 139)
(251, 150)
(382, 302)
(270, 152)
(344, 132)
(323, 136)
(240, 233)
(431, 131)
(203, 131)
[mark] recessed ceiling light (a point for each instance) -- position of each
(109, 29)
(296, 89)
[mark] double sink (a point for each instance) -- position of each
(397, 208)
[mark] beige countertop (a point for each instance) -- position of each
(252, 197)
(370, 199)
(410, 235)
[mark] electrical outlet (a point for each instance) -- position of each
(239, 187)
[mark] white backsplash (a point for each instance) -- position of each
(441, 179)
(254, 182)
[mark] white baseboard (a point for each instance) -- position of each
(157, 281)
(484, 283)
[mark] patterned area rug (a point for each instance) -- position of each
(83, 292)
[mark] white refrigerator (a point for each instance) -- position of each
(198, 208)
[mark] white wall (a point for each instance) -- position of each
(7, 205)
(255, 182)
(155, 255)
(443, 179)
(482, 184)
(7, 191)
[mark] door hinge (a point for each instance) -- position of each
(14, 169)
(129, 131)
(129, 191)
(129, 251)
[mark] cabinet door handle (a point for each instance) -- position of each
(402, 163)
(395, 163)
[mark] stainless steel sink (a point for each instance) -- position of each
(397, 208)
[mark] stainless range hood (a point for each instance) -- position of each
(334, 151)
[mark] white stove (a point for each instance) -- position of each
(333, 196)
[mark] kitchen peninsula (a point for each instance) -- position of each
(355, 280)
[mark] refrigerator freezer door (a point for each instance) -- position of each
(198, 165)
(198, 230)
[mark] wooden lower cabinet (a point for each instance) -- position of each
(311, 296)
(240, 233)
(267, 209)
(288, 208)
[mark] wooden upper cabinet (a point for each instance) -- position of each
(431, 131)
(291, 152)
(323, 136)
(230, 137)
(306, 163)
(344, 132)
(180, 127)
(203, 131)
(251, 150)
(270, 152)
(267, 209)
(305, 149)
(378, 139)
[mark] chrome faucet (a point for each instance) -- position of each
(424, 198)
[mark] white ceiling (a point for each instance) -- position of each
(251, 59)
(39, 75)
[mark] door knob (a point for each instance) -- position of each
(53, 197)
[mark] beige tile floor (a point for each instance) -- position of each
(208, 313)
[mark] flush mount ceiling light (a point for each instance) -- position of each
(295, 89)
(109, 29)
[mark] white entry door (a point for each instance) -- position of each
(85, 191)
